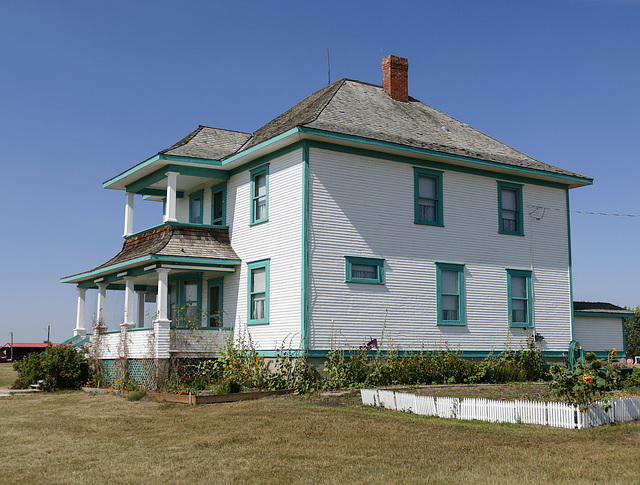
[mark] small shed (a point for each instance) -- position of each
(21, 350)
(599, 326)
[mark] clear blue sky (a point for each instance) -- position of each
(89, 89)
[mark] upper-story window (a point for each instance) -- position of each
(195, 207)
(428, 197)
(218, 205)
(510, 208)
(260, 194)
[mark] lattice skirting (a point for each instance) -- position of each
(140, 371)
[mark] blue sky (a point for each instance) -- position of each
(88, 89)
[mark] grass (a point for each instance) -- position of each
(7, 374)
(80, 438)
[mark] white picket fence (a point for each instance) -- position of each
(555, 414)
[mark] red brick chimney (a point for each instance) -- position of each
(395, 79)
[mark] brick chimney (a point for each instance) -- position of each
(395, 79)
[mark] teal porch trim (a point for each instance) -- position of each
(146, 193)
(160, 174)
(172, 223)
(169, 158)
(144, 259)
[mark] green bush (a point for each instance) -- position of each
(59, 367)
(587, 382)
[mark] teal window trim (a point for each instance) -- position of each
(443, 292)
(528, 299)
(353, 270)
(196, 217)
(211, 312)
(258, 296)
(178, 302)
(505, 225)
(222, 219)
(428, 210)
(259, 201)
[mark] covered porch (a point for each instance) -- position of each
(180, 267)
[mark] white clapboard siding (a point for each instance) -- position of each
(598, 333)
(197, 343)
(365, 207)
(141, 344)
(280, 240)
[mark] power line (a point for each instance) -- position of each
(539, 207)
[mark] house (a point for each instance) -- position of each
(599, 326)
(18, 351)
(359, 213)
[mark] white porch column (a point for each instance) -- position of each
(128, 302)
(128, 215)
(80, 329)
(172, 184)
(162, 325)
(140, 308)
(102, 300)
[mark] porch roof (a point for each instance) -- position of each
(199, 247)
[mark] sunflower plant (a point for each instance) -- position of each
(588, 382)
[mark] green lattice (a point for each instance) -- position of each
(142, 372)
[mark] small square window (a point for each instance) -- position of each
(364, 270)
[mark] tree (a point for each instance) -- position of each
(632, 332)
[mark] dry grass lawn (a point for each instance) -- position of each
(7, 374)
(80, 438)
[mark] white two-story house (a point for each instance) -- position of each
(359, 213)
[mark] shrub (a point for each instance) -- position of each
(588, 382)
(58, 367)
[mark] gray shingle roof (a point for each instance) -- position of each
(367, 111)
(590, 306)
(210, 143)
(178, 241)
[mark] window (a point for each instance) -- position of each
(260, 194)
(428, 197)
(219, 205)
(510, 208)
(185, 301)
(258, 292)
(519, 298)
(195, 207)
(214, 293)
(450, 288)
(364, 270)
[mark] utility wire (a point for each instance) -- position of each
(539, 207)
